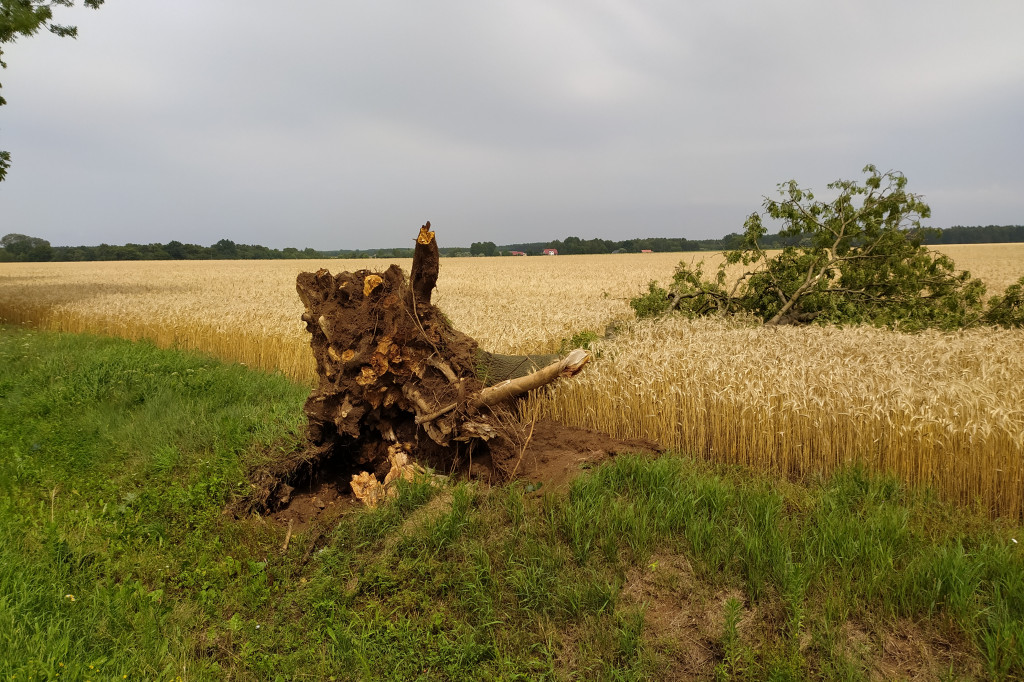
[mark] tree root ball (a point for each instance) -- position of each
(392, 370)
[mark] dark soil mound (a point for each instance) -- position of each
(554, 455)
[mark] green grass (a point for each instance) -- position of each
(118, 460)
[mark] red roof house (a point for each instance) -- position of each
(550, 252)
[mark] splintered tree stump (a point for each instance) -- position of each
(392, 371)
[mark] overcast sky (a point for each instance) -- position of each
(337, 124)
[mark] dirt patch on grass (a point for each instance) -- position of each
(310, 485)
(685, 627)
(684, 616)
(555, 454)
(909, 650)
(681, 622)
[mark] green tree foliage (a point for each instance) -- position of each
(483, 249)
(20, 247)
(26, 18)
(1007, 310)
(175, 250)
(858, 259)
(225, 249)
(575, 245)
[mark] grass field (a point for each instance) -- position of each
(940, 410)
(117, 561)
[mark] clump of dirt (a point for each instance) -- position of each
(319, 501)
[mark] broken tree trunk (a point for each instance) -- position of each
(393, 371)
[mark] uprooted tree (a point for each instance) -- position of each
(398, 384)
(857, 259)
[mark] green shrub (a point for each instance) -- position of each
(1007, 310)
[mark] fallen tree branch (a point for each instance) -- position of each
(510, 388)
(506, 390)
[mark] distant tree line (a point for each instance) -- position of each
(19, 247)
(989, 234)
(958, 234)
(575, 245)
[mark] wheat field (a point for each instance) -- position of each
(943, 410)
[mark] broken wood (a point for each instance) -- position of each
(288, 535)
(371, 492)
(426, 265)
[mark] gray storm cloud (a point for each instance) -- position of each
(345, 125)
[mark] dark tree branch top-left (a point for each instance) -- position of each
(25, 18)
